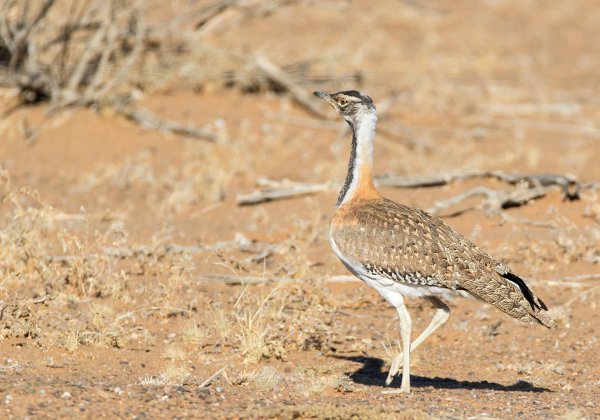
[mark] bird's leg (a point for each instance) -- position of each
(405, 328)
(439, 318)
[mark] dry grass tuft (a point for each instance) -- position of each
(71, 341)
(573, 414)
(256, 338)
(153, 381)
(176, 375)
(315, 380)
(55, 271)
(268, 379)
(172, 375)
(242, 377)
(195, 334)
(173, 353)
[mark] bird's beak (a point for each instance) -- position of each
(327, 98)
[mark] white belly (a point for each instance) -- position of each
(391, 290)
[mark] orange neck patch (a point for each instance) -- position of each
(365, 189)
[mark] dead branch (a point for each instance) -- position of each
(427, 180)
(591, 186)
(171, 310)
(280, 77)
(287, 190)
(473, 192)
(19, 34)
(435, 180)
(92, 50)
(494, 200)
(211, 378)
(213, 11)
(535, 223)
(132, 58)
(593, 259)
(84, 55)
(149, 121)
(85, 60)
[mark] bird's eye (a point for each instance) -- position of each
(342, 102)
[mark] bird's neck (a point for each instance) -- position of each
(359, 180)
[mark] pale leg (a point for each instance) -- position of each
(439, 318)
(405, 328)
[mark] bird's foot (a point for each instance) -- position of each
(390, 377)
(394, 368)
(401, 390)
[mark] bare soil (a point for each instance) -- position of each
(110, 234)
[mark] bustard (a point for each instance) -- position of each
(405, 252)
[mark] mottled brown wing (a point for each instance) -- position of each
(410, 246)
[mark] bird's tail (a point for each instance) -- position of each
(536, 308)
(542, 317)
(513, 296)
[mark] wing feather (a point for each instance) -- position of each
(410, 246)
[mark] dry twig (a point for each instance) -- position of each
(494, 200)
(211, 378)
(149, 121)
(286, 190)
(569, 184)
(281, 78)
(536, 186)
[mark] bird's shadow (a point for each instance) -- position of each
(370, 373)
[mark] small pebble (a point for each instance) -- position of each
(202, 392)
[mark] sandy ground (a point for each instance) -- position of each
(111, 235)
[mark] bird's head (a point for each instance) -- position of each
(351, 104)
